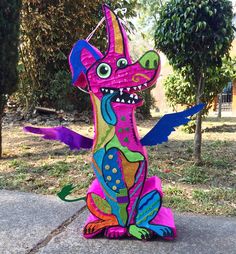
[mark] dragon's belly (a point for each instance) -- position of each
(118, 172)
(121, 173)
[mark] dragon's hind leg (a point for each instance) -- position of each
(100, 208)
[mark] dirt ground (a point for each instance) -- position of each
(35, 165)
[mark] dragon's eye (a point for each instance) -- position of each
(104, 70)
(122, 63)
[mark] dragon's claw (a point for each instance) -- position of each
(139, 233)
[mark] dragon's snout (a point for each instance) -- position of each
(150, 60)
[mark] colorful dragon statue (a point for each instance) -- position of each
(122, 200)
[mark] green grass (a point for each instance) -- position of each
(58, 169)
(195, 175)
(19, 165)
(213, 201)
(47, 178)
(39, 166)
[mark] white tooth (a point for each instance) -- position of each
(129, 101)
(102, 89)
(121, 89)
(111, 91)
(118, 99)
(122, 100)
(106, 90)
(121, 92)
(139, 87)
(131, 96)
(136, 97)
(134, 87)
(145, 84)
(133, 102)
(128, 88)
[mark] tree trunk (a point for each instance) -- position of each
(219, 105)
(0, 135)
(198, 139)
(1, 115)
(198, 130)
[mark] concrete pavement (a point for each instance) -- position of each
(32, 223)
(26, 219)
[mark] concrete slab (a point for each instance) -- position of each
(196, 235)
(26, 219)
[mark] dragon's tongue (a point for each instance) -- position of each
(107, 111)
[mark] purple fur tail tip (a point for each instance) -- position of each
(63, 134)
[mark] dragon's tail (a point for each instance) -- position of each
(66, 191)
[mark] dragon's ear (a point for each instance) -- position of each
(117, 37)
(82, 56)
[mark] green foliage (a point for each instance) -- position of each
(195, 34)
(9, 38)
(190, 127)
(148, 103)
(148, 16)
(61, 88)
(9, 33)
(185, 91)
(48, 32)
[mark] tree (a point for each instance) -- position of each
(147, 11)
(9, 34)
(215, 83)
(48, 31)
(195, 35)
(149, 15)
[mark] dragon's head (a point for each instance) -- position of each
(113, 77)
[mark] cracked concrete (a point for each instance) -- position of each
(32, 223)
(197, 234)
(27, 219)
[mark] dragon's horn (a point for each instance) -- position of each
(117, 37)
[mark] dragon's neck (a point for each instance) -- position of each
(125, 128)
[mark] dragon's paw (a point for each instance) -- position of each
(163, 231)
(115, 232)
(92, 228)
(139, 233)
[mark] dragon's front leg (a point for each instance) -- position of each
(149, 214)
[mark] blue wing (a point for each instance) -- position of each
(71, 138)
(160, 132)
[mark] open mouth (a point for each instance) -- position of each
(121, 95)
(125, 94)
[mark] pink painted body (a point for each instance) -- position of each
(122, 200)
